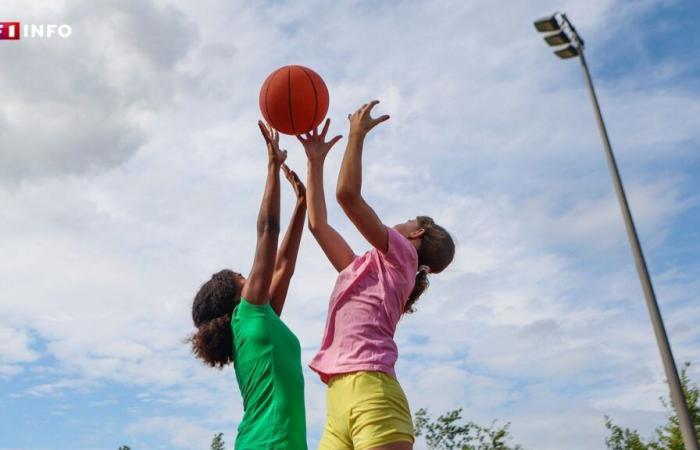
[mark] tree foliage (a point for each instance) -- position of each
(447, 433)
(217, 443)
(667, 436)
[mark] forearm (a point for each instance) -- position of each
(269, 215)
(287, 259)
(289, 249)
(315, 196)
(350, 176)
(349, 195)
(256, 290)
(333, 245)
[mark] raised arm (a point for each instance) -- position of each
(257, 287)
(334, 246)
(349, 188)
(289, 249)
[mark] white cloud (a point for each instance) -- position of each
(15, 346)
(8, 370)
(77, 105)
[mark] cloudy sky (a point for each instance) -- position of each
(131, 168)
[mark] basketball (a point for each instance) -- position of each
(294, 99)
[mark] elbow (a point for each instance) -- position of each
(318, 230)
(347, 197)
(268, 226)
(314, 228)
(285, 269)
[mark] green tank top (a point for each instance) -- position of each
(267, 360)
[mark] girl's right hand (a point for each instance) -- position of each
(314, 144)
(272, 138)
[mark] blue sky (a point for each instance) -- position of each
(132, 170)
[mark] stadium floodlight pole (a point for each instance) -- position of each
(562, 32)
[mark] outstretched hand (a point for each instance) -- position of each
(315, 144)
(297, 185)
(361, 122)
(272, 138)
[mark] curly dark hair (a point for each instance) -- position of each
(437, 249)
(211, 313)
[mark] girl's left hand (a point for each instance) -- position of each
(297, 185)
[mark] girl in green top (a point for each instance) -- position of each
(237, 321)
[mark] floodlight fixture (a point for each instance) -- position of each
(567, 52)
(557, 39)
(547, 24)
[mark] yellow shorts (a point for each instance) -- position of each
(365, 410)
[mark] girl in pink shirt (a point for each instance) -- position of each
(367, 409)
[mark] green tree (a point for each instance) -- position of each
(124, 447)
(667, 436)
(623, 438)
(218, 442)
(446, 433)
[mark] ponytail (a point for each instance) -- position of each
(213, 342)
(436, 251)
(421, 285)
(212, 310)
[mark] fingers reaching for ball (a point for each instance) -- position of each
(315, 144)
(265, 131)
(361, 121)
(272, 139)
(290, 174)
(325, 128)
(297, 185)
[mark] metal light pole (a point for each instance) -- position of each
(563, 32)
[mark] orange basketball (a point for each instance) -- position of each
(294, 99)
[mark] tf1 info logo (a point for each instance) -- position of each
(12, 31)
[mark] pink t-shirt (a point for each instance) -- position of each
(366, 304)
